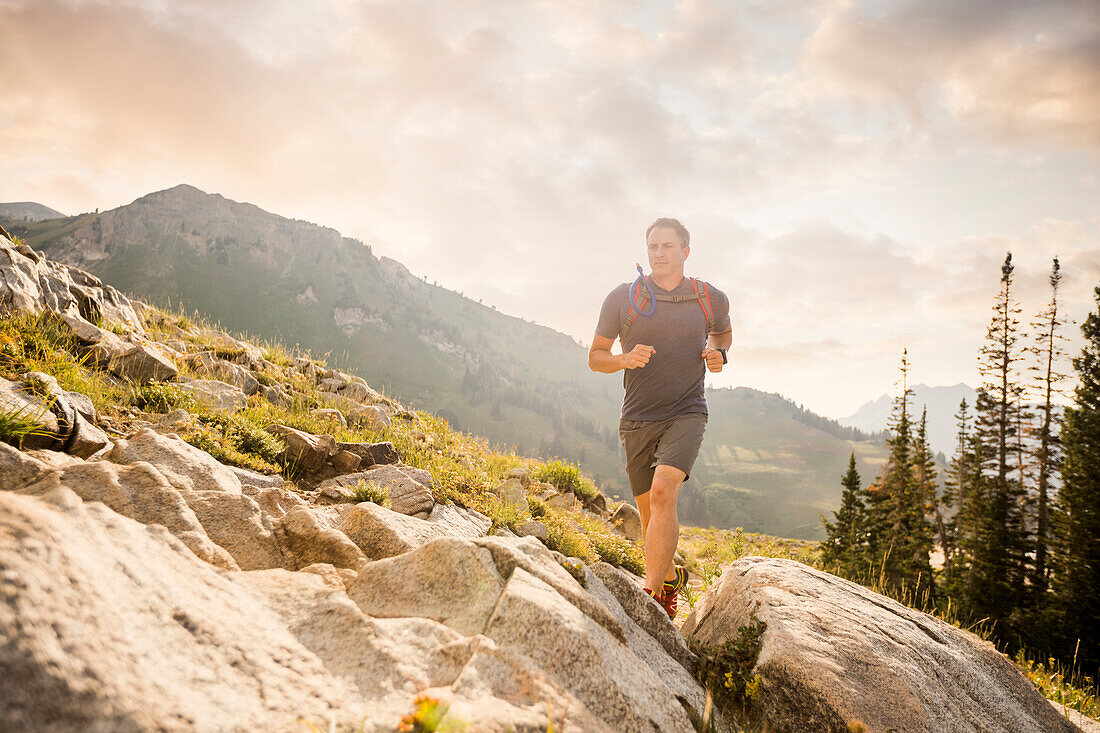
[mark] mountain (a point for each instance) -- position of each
(764, 456)
(513, 382)
(942, 403)
(28, 211)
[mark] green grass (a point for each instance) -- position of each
(162, 397)
(1061, 684)
(370, 491)
(565, 477)
(18, 424)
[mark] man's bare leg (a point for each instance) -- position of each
(660, 527)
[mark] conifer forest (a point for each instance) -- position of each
(1008, 541)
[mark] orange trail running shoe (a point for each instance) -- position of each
(670, 592)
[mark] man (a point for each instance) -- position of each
(664, 409)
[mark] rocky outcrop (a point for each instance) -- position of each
(115, 624)
(29, 283)
(834, 652)
(66, 420)
(210, 365)
(214, 394)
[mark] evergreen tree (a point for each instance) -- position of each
(995, 583)
(1077, 578)
(843, 548)
(1047, 454)
(900, 539)
(963, 491)
(924, 469)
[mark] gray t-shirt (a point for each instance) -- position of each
(671, 383)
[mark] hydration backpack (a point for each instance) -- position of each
(641, 297)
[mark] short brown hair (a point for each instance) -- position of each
(674, 225)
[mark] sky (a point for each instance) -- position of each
(852, 173)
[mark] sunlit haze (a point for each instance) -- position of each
(852, 173)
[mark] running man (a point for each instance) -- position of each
(665, 409)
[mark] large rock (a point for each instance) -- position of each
(214, 394)
(208, 364)
(372, 453)
(674, 666)
(646, 613)
(459, 521)
(309, 453)
(18, 469)
(512, 494)
(628, 521)
(29, 283)
(403, 484)
(369, 417)
(236, 523)
(304, 540)
(449, 580)
(835, 652)
(108, 624)
(388, 660)
(185, 466)
(142, 362)
(142, 493)
(596, 667)
(111, 625)
(381, 533)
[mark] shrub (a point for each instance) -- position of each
(161, 397)
(726, 670)
(536, 507)
(245, 437)
(565, 477)
(370, 491)
(610, 547)
(221, 448)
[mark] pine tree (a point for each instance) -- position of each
(843, 548)
(1077, 578)
(963, 492)
(924, 469)
(995, 583)
(1047, 453)
(900, 539)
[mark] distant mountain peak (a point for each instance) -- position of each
(28, 211)
(942, 403)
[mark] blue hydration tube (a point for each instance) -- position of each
(643, 280)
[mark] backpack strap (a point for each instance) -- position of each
(635, 308)
(641, 297)
(704, 303)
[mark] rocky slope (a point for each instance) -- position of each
(147, 585)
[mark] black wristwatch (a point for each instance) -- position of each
(723, 353)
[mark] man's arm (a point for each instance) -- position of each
(717, 340)
(600, 358)
(720, 339)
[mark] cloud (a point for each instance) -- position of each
(517, 151)
(1018, 71)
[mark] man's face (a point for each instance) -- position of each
(666, 256)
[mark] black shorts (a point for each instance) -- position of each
(650, 443)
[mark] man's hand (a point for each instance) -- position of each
(639, 356)
(714, 359)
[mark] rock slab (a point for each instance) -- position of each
(835, 652)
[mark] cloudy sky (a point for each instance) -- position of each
(852, 172)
